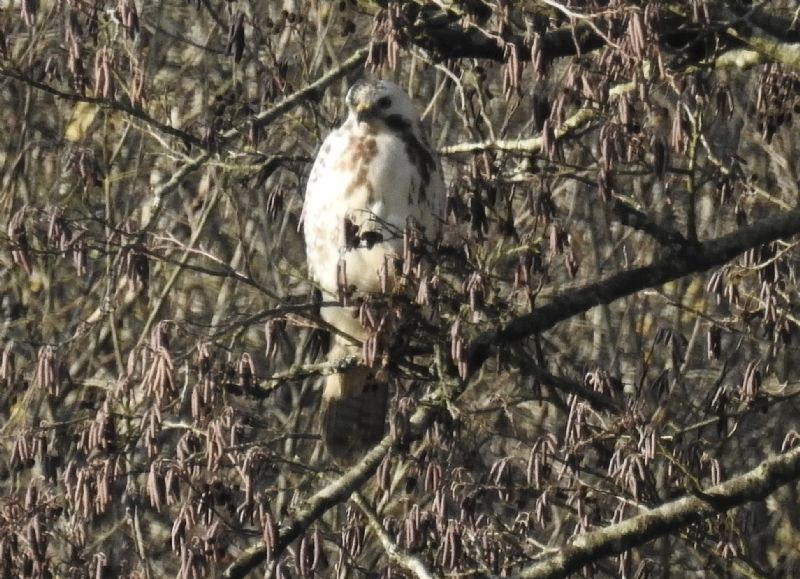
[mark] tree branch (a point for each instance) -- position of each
(340, 489)
(407, 561)
(444, 32)
(108, 104)
(754, 485)
(597, 400)
(632, 217)
(527, 146)
(312, 90)
(704, 256)
(764, 42)
(677, 264)
(263, 118)
(334, 493)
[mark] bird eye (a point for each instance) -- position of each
(384, 102)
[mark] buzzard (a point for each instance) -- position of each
(373, 176)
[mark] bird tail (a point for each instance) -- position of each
(353, 414)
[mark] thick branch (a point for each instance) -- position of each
(526, 146)
(562, 307)
(444, 31)
(678, 264)
(754, 485)
(632, 217)
(770, 47)
(333, 494)
(407, 561)
(457, 41)
(336, 492)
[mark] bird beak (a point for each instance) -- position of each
(363, 102)
(363, 109)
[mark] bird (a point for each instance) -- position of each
(372, 177)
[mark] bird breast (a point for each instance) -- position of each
(365, 178)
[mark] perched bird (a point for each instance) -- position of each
(373, 176)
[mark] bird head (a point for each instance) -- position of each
(369, 101)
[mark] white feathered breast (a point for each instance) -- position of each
(375, 174)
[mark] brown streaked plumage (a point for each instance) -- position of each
(374, 173)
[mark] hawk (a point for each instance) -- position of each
(372, 176)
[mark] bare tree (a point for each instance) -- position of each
(597, 377)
